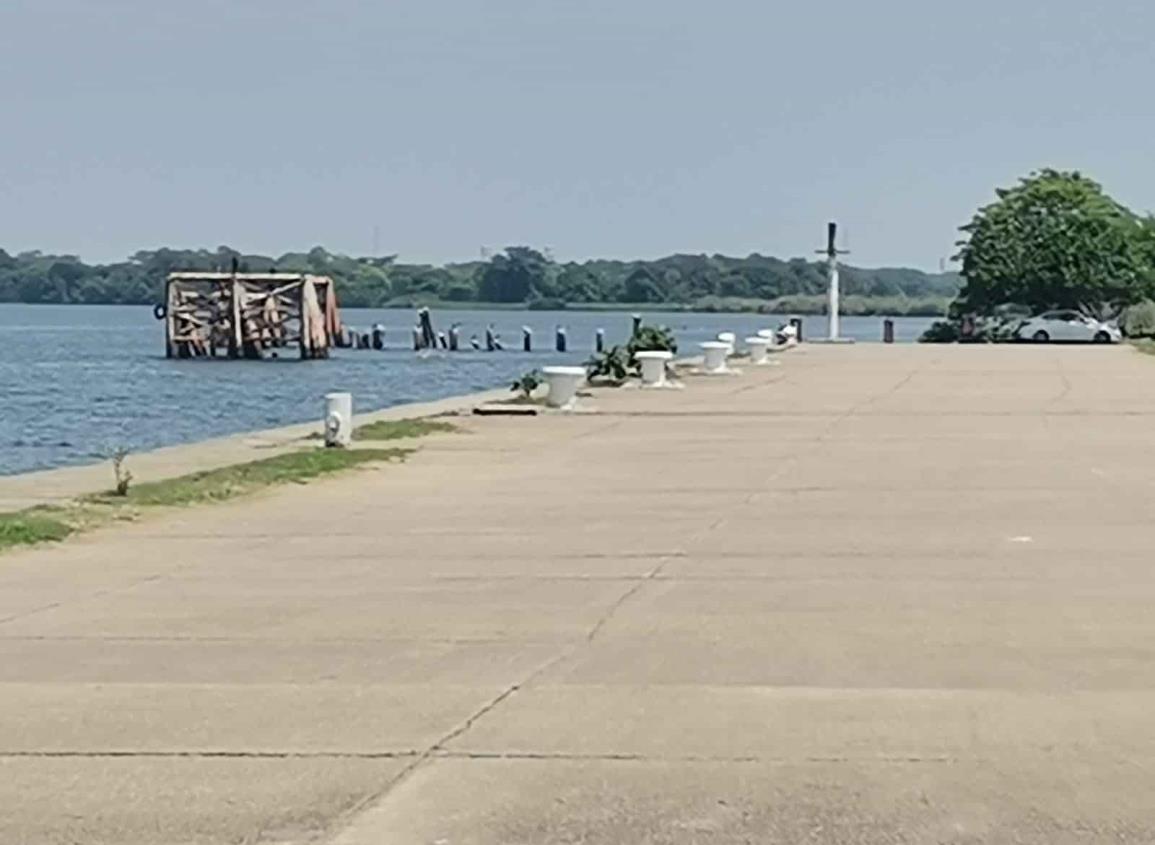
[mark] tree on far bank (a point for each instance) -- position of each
(1056, 240)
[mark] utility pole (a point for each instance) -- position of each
(832, 252)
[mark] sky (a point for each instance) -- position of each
(595, 128)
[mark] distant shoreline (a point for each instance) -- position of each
(803, 306)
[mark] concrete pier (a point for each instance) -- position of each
(876, 594)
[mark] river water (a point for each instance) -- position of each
(80, 381)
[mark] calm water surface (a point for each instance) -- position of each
(79, 381)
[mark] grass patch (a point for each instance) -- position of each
(1145, 346)
(52, 524)
(26, 528)
(218, 485)
(401, 429)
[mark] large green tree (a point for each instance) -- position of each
(1056, 240)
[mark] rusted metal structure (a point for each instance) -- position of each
(249, 315)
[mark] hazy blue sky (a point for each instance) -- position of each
(628, 128)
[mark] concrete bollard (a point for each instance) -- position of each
(888, 331)
(715, 352)
(563, 384)
(730, 339)
(759, 346)
(600, 340)
(560, 340)
(653, 366)
(526, 339)
(769, 335)
(338, 419)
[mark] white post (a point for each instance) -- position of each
(339, 419)
(834, 298)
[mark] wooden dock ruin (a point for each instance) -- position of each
(249, 315)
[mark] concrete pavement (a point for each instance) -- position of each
(873, 594)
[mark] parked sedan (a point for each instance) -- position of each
(1068, 326)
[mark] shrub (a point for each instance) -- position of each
(941, 331)
(1139, 320)
(611, 366)
(527, 384)
(652, 339)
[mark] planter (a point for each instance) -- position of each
(653, 366)
(715, 353)
(563, 384)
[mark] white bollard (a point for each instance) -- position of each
(654, 367)
(715, 352)
(339, 419)
(770, 335)
(759, 346)
(790, 333)
(730, 339)
(563, 384)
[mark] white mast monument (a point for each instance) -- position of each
(832, 252)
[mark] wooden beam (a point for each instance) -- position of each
(169, 320)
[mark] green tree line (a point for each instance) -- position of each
(517, 276)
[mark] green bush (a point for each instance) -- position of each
(612, 366)
(942, 331)
(1139, 320)
(652, 339)
(528, 383)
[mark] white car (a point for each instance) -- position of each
(1067, 327)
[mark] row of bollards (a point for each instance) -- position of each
(425, 338)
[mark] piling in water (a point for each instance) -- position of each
(560, 339)
(526, 339)
(428, 335)
(600, 340)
